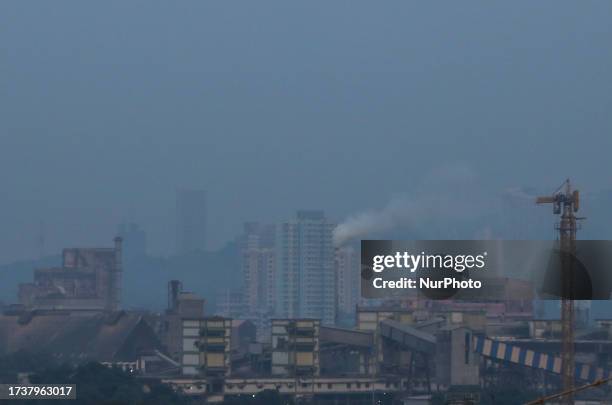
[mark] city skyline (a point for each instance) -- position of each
(306, 203)
(101, 125)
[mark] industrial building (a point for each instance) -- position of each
(405, 354)
(295, 347)
(89, 279)
(181, 304)
(117, 338)
(206, 346)
(409, 352)
(307, 359)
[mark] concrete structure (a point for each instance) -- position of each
(312, 362)
(243, 335)
(348, 281)
(545, 328)
(181, 304)
(475, 320)
(345, 351)
(206, 347)
(341, 388)
(89, 279)
(369, 319)
(305, 281)
(191, 221)
(456, 363)
(409, 337)
(295, 347)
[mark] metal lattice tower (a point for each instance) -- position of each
(565, 203)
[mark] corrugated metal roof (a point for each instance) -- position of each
(409, 336)
(329, 334)
(97, 337)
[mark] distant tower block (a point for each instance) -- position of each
(191, 221)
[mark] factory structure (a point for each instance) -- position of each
(89, 279)
(289, 332)
(406, 353)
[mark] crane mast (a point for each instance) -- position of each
(566, 203)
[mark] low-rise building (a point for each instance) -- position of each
(295, 347)
(181, 304)
(206, 346)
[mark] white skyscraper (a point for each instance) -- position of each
(305, 275)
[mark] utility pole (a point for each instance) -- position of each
(566, 203)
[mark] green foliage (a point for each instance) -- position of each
(22, 362)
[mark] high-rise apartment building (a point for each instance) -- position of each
(258, 266)
(258, 261)
(305, 271)
(190, 221)
(348, 281)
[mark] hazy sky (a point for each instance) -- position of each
(107, 107)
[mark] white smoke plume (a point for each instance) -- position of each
(519, 193)
(398, 211)
(445, 195)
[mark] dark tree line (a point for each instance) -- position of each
(96, 383)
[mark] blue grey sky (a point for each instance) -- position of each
(107, 107)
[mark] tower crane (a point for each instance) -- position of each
(566, 203)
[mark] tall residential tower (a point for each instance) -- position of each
(305, 273)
